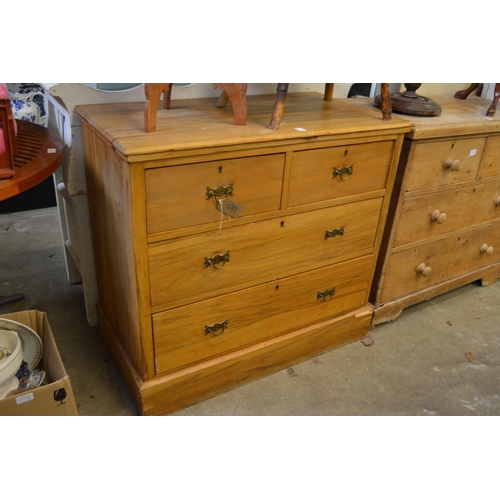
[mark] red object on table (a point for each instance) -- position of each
(39, 155)
(8, 145)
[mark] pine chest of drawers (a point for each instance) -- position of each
(443, 230)
(194, 302)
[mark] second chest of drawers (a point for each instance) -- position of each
(443, 230)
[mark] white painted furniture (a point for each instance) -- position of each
(71, 183)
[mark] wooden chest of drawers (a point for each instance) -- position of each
(194, 302)
(443, 230)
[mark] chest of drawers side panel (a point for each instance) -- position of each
(116, 242)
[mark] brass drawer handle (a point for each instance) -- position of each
(424, 270)
(217, 261)
(452, 164)
(326, 295)
(217, 329)
(343, 172)
(487, 249)
(220, 192)
(438, 216)
(334, 232)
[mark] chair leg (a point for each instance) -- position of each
(153, 93)
(463, 94)
(236, 94)
(279, 106)
(492, 109)
(385, 105)
(329, 91)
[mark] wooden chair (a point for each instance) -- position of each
(463, 94)
(8, 143)
(235, 93)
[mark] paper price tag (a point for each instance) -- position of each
(231, 208)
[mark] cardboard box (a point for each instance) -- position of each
(53, 399)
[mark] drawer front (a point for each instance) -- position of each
(440, 261)
(317, 175)
(490, 164)
(179, 196)
(193, 268)
(200, 331)
(433, 164)
(436, 214)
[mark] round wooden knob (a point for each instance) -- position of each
(497, 202)
(452, 164)
(424, 270)
(485, 248)
(438, 216)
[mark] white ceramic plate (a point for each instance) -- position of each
(31, 342)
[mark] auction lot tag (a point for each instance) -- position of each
(231, 208)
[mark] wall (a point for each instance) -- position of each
(435, 89)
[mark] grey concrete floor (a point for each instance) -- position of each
(416, 366)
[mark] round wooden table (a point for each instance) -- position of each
(40, 153)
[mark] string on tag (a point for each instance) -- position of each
(221, 214)
(221, 203)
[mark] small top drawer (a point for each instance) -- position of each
(438, 163)
(490, 164)
(179, 196)
(323, 174)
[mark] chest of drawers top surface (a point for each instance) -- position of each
(197, 123)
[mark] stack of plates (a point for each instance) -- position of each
(21, 350)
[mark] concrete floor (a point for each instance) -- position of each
(416, 366)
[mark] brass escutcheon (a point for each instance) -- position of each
(326, 295)
(343, 172)
(217, 329)
(334, 232)
(217, 261)
(220, 192)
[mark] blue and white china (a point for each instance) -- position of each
(28, 102)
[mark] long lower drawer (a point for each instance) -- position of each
(186, 270)
(428, 264)
(190, 334)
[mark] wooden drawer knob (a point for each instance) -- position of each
(488, 250)
(452, 164)
(438, 216)
(424, 270)
(497, 202)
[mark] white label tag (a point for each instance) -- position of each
(51, 150)
(25, 398)
(231, 208)
(300, 129)
(473, 152)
